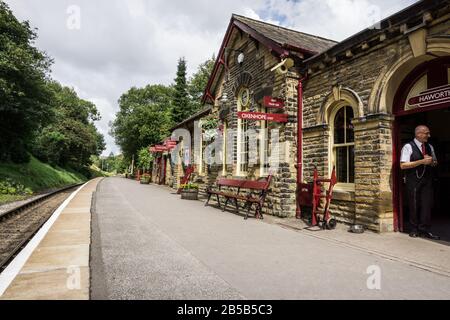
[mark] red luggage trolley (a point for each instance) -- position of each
(311, 195)
(187, 176)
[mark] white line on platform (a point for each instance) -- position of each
(13, 269)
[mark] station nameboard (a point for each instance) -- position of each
(274, 117)
(275, 103)
(432, 97)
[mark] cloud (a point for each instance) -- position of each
(121, 43)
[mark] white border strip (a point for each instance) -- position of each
(13, 269)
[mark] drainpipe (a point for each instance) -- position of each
(299, 165)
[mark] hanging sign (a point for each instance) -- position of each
(274, 103)
(170, 144)
(432, 97)
(274, 117)
(160, 148)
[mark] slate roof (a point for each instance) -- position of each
(284, 36)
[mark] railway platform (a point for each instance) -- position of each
(55, 263)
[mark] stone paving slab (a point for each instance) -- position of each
(59, 267)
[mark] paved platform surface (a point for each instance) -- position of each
(150, 244)
(59, 267)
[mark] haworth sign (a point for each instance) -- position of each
(274, 117)
(270, 102)
(432, 97)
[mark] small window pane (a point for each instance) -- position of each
(341, 164)
(349, 131)
(351, 164)
(339, 127)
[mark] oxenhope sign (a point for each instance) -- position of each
(270, 102)
(275, 117)
(432, 97)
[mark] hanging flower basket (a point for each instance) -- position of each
(210, 135)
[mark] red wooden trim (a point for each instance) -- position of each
(398, 214)
(419, 110)
(399, 112)
(299, 165)
(220, 57)
(272, 45)
(409, 81)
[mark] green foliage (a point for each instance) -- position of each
(8, 186)
(71, 137)
(38, 176)
(197, 84)
(189, 186)
(147, 114)
(144, 118)
(210, 122)
(181, 104)
(24, 96)
(144, 158)
(36, 113)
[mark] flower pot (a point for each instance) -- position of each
(189, 194)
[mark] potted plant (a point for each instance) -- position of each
(189, 191)
(145, 178)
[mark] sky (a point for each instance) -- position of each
(102, 48)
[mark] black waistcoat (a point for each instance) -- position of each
(413, 176)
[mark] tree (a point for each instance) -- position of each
(198, 82)
(181, 104)
(71, 138)
(24, 96)
(144, 118)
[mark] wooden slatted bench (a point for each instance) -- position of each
(256, 192)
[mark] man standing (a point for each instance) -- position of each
(416, 160)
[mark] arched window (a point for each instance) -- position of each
(243, 105)
(343, 145)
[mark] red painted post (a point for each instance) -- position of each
(299, 144)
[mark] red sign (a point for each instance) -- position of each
(159, 148)
(432, 97)
(275, 117)
(270, 102)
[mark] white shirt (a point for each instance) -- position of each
(407, 152)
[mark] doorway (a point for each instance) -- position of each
(439, 123)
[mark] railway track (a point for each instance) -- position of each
(20, 224)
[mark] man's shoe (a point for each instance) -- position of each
(429, 235)
(413, 234)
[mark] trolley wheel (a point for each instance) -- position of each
(331, 224)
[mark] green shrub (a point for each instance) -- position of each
(8, 186)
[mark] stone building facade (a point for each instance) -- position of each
(363, 75)
(352, 116)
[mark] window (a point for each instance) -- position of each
(242, 136)
(224, 148)
(264, 148)
(343, 145)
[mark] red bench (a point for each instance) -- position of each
(256, 192)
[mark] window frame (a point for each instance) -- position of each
(346, 186)
(240, 124)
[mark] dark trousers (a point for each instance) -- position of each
(420, 199)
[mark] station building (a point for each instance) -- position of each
(357, 103)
